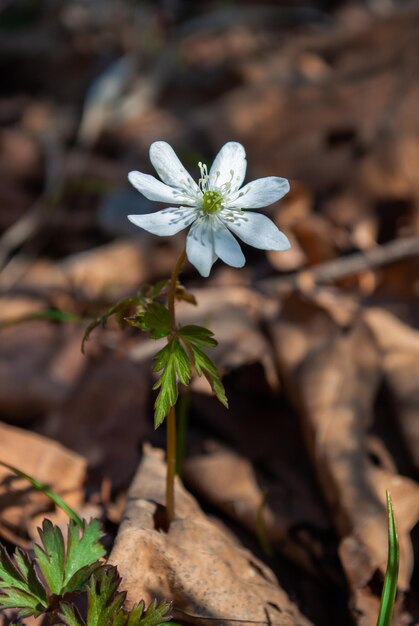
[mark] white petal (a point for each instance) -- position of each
(153, 189)
(167, 222)
(200, 246)
(229, 166)
(227, 247)
(259, 193)
(170, 169)
(259, 231)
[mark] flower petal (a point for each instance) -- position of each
(259, 231)
(200, 246)
(167, 222)
(259, 193)
(153, 189)
(229, 166)
(227, 247)
(170, 169)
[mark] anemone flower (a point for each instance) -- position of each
(215, 208)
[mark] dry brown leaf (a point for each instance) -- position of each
(399, 345)
(196, 565)
(104, 416)
(333, 377)
(38, 365)
(23, 507)
(230, 482)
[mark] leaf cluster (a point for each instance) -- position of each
(46, 582)
(31, 584)
(175, 362)
(105, 605)
(143, 311)
(183, 352)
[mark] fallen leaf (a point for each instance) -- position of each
(196, 565)
(333, 377)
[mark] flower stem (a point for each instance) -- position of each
(171, 464)
(171, 418)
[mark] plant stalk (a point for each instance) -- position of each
(171, 464)
(171, 418)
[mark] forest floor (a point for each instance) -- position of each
(281, 514)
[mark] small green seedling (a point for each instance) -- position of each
(36, 585)
(388, 595)
(59, 571)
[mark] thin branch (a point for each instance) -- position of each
(324, 273)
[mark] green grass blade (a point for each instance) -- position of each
(388, 595)
(47, 491)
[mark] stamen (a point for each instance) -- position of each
(203, 181)
(212, 202)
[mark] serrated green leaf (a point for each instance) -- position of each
(206, 366)
(174, 362)
(70, 615)
(198, 335)
(51, 558)
(26, 603)
(104, 599)
(388, 595)
(20, 588)
(82, 551)
(67, 571)
(155, 615)
(155, 320)
(105, 605)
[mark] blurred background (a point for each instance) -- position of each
(319, 346)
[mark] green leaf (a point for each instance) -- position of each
(120, 310)
(70, 615)
(20, 587)
(198, 335)
(174, 362)
(47, 491)
(155, 614)
(51, 558)
(155, 319)
(105, 605)
(82, 551)
(206, 366)
(388, 595)
(67, 571)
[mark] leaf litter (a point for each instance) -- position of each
(318, 346)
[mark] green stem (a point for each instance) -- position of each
(171, 418)
(171, 464)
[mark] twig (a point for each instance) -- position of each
(331, 271)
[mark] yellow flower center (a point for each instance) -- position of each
(212, 202)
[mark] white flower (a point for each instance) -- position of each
(215, 208)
